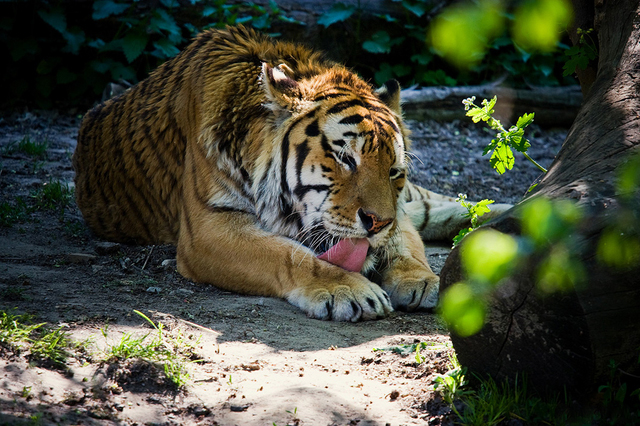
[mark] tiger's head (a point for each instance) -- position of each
(340, 149)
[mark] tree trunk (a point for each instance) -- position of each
(569, 339)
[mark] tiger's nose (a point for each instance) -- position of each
(372, 223)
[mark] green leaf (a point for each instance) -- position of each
(384, 74)
(462, 309)
(525, 120)
(170, 3)
(422, 58)
(133, 44)
(488, 256)
(101, 66)
(166, 48)
(161, 20)
(401, 70)
(64, 76)
(339, 12)
(481, 207)
(208, 11)
(96, 44)
(261, 22)
(75, 38)
(105, 8)
(502, 158)
(417, 9)
(520, 144)
(45, 66)
(54, 17)
(478, 114)
(380, 43)
(20, 48)
(463, 233)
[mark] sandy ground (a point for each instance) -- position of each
(260, 361)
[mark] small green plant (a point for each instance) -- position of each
(36, 149)
(451, 384)
(53, 195)
(13, 212)
(580, 54)
(52, 346)
(474, 212)
(413, 348)
(156, 347)
(26, 392)
(502, 158)
(15, 330)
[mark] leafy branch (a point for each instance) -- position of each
(502, 158)
(474, 212)
(580, 54)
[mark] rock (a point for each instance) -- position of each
(107, 247)
(169, 264)
(80, 258)
(182, 292)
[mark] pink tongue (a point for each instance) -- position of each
(349, 254)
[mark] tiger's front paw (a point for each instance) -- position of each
(353, 300)
(411, 286)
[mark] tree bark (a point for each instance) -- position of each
(569, 339)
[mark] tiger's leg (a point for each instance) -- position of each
(228, 249)
(438, 217)
(409, 280)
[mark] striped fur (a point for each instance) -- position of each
(253, 157)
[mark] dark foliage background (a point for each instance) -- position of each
(64, 53)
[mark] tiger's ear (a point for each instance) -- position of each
(282, 91)
(389, 93)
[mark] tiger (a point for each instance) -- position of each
(273, 170)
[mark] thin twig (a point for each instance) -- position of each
(147, 259)
(535, 163)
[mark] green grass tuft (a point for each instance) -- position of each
(171, 353)
(11, 213)
(53, 195)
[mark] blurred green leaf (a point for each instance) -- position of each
(54, 17)
(339, 12)
(488, 255)
(105, 8)
(560, 271)
(261, 22)
(617, 249)
(75, 38)
(463, 311)
(417, 8)
(20, 48)
(64, 76)
(539, 24)
(463, 32)
(381, 42)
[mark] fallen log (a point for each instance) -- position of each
(553, 106)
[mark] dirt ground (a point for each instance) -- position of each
(260, 360)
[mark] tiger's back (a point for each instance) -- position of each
(130, 156)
